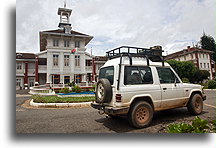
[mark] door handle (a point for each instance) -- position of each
(164, 88)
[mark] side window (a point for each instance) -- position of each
(166, 75)
(108, 73)
(137, 75)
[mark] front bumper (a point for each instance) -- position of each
(110, 110)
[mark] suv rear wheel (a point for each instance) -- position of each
(103, 91)
(195, 104)
(140, 114)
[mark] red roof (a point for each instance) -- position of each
(187, 51)
(25, 56)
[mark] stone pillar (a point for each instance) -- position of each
(36, 72)
(26, 76)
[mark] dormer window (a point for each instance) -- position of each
(66, 43)
(77, 44)
(55, 42)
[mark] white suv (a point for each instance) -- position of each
(137, 82)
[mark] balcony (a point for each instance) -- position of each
(88, 68)
(42, 69)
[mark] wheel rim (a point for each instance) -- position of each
(198, 105)
(100, 91)
(142, 115)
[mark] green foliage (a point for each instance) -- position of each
(198, 126)
(185, 80)
(65, 90)
(211, 84)
(208, 42)
(200, 75)
(214, 125)
(71, 84)
(186, 69)
(55, 99)
(76, 89)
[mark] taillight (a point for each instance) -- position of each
(118, 97)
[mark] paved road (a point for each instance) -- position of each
(87, 120)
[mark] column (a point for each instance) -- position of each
(36, 72)
(26, 76)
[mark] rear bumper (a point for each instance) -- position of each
(110, 110)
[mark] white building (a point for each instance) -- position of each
(56, 63)
(200, 57)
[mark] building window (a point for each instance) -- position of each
(191, 56)
(77, 44)
(200, 65)
(55, 60)
(77, 61)
(66, 43)
(18, 82)
(31, 82)
(66, 60)
(208, 65)
(56, 42)
(19, 66)
(204, 65)
(185, 58)
(78, 78)
(203, 56)
(66, 79)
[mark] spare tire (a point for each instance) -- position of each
(103, 91)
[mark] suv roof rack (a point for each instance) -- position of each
(153, 53)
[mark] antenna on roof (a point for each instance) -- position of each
(65, 4)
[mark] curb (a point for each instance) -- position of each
(60, 105)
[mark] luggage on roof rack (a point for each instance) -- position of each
(153, 53)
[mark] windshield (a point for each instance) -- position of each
(108, 73)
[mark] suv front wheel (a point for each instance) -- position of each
(140, 114)
(195, 104)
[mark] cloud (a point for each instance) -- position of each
(174, 24)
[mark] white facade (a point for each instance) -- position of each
(200, 57)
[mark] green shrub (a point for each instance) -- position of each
(211, 84)
(76, 89)
(185, 80)
(65, 90)
(71, 83)
(198, 126)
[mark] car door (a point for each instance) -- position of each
(171, 88)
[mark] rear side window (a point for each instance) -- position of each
(137, 75)
(108, 73)
(166, 75)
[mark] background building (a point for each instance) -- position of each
(200, 57)
(25, 70)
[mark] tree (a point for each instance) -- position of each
(186, 69)
(199, 76)
(208, 42)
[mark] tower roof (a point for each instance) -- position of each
(64, 11)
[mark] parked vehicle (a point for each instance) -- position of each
(137, 82)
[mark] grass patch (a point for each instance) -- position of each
(55, 99)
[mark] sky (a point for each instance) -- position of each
(173, 24)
